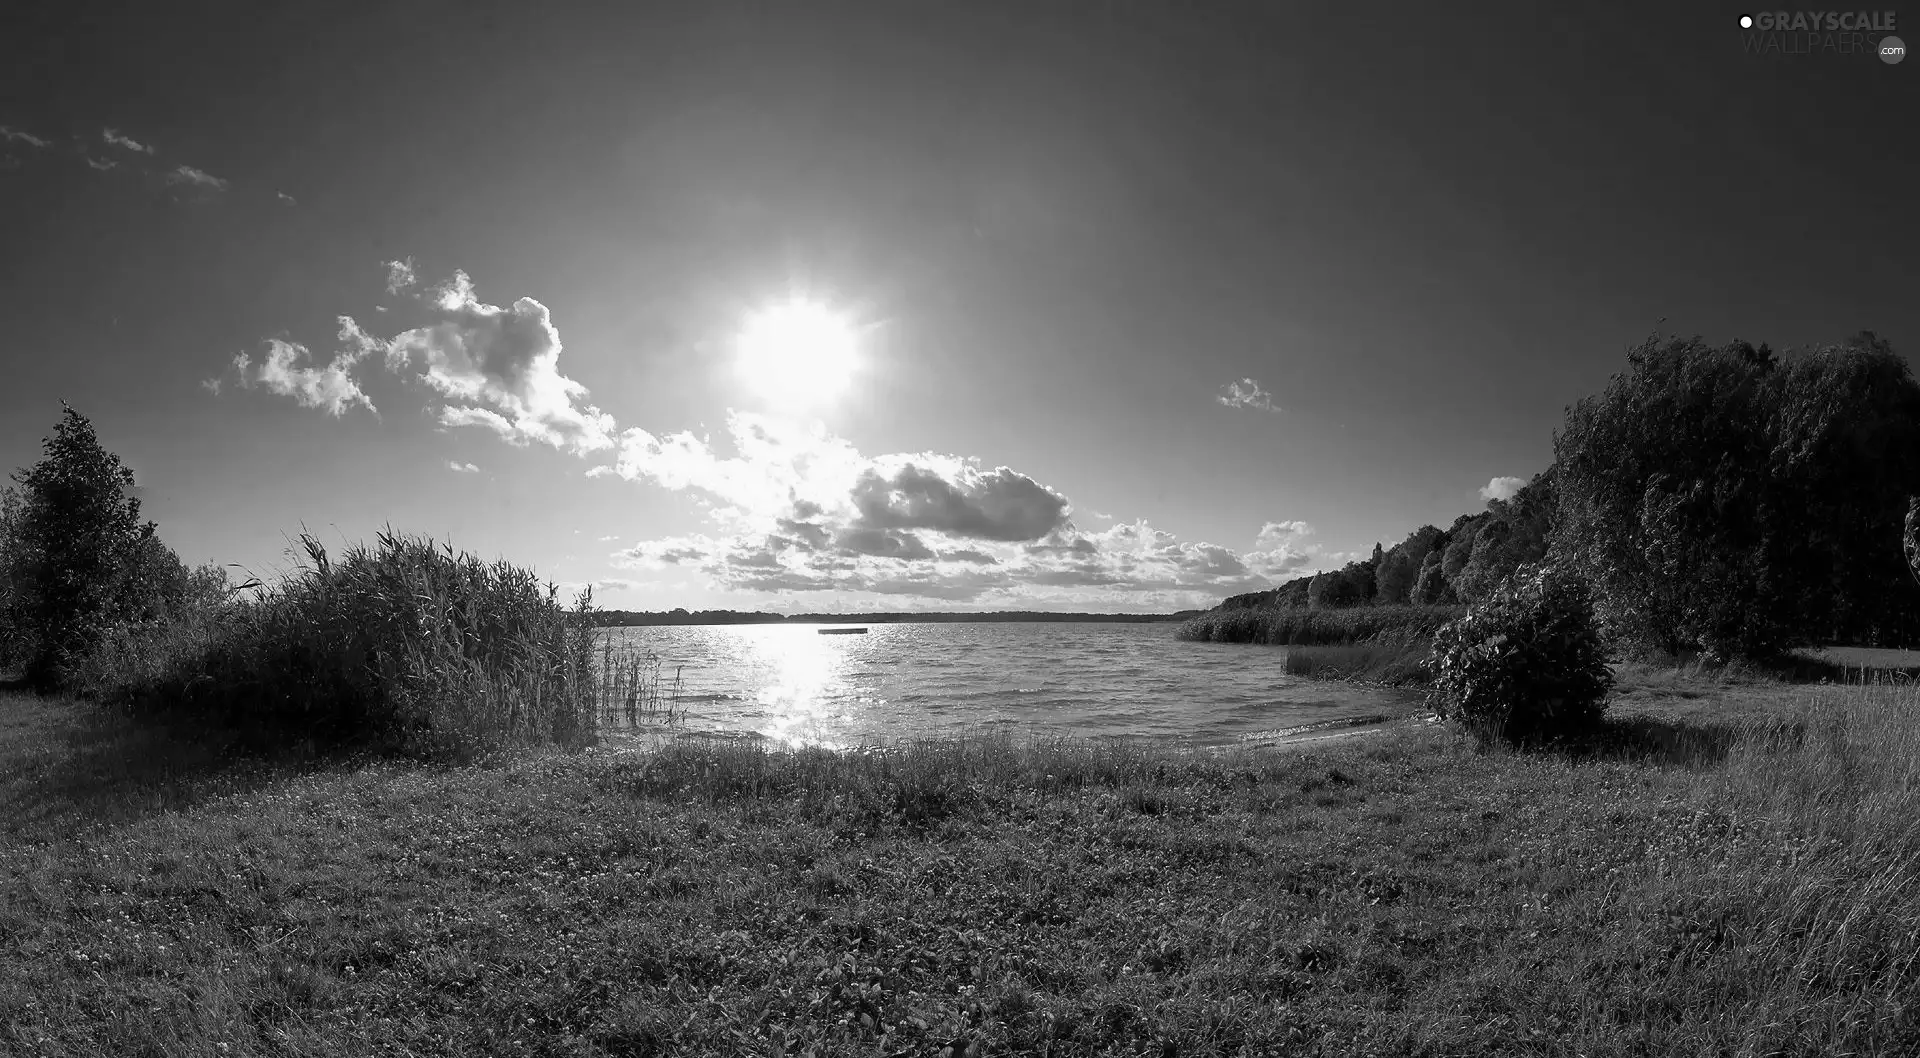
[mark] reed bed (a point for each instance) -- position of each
(1288, 626)
(406, 644)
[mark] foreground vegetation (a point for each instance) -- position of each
(1692, 881)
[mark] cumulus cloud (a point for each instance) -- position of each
(462, 468)
(1246, 393)
(287, 371)
(13, 135)
(113, 137)
(1279, 553)
(791, 508)
(498, 367)
(488, 366)
(198, 178)
(1501, 488)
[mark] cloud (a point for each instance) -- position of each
(113, 137)
(791, 508)
(284, 197)
(1502, 488)
(1246, 393)
(331, 388)
(13, 135)
(211, 385)
(957, 498)
(1278, 552)
(487, 366)
(187, 174)
(462, 468)
(100, 164)
(400, 275)
(498, 367)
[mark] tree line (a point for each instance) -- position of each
(1725, 499)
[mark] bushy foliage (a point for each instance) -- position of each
(1724, 500)
(1524, 663)
(407, 644)
(79, 560)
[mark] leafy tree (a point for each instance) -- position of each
(1432, 589)
(12, 637)
(78, 544)
(1395, 581)
(1726, 499)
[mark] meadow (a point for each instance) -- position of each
(1727, 867)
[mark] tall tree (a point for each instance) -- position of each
(79, 539)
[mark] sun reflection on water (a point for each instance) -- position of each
(804, 699)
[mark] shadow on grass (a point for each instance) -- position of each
(1662, 741)
(68, 765)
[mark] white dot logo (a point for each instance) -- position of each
(1746, 21)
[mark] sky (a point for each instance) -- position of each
(814, 307)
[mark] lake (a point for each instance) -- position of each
(790, 684)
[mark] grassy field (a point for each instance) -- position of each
(1731, 869)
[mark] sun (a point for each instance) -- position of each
(797, 352)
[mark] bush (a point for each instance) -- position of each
(408, 645)
(1528, 662)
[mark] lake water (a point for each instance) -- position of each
(790, 684)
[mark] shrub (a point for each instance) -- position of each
(408, 644)
(1528, 662)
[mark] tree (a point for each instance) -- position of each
(1431, 589)
(79, 541)
(12, 637)
(1726, 499)
(1396, 578)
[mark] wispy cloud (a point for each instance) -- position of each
(1246, 393)
(462, 468)
(1501, 488)
(100, 164)
(187, 174)
(284, 197)
(114, 137)
(13, 135)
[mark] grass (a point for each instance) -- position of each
(1321, 627)
(1712, 876)
(1392, 664)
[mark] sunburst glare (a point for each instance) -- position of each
(798, 352)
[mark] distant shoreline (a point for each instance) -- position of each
(640, 619)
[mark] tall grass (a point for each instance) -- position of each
(1394, 663)
(1295, 625)
(406, 644)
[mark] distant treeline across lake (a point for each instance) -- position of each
(634, 618)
